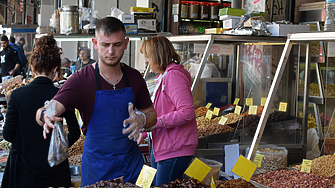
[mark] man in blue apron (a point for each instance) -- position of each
(105, 93)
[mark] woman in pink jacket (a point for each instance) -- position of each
(175, 136)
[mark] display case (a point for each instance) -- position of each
(247, 67)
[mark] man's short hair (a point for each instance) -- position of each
(65, 60)
(109, 25)
(4, 38)
(12, 39)
(22, 39)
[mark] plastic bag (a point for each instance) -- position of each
(192, 65)
(215, 165)
(59, 144)
(115, 12)
(313, 150)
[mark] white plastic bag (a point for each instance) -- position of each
(59, 144)
(313, 150)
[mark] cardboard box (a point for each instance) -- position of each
(141, 9)
(227, 17)
(230, 23)
(214, 31)
(126, 18)
(231, 11)
(146, 25)
(131, 28)
(284, 29)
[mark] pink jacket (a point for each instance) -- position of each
(176, 134)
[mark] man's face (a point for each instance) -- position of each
(110, 48)
(22, 42)
(4, 44)
(67, 65)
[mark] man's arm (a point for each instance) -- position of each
(151, 116)
(16, 61)
(47, 122)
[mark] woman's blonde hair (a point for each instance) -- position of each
(160, 50)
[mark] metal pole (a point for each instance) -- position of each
(269, 101)
(306, 96)
(5, 13)
(24, 12)
(202, 65)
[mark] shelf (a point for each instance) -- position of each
(314, 59)
(312, 99)
(197, 20)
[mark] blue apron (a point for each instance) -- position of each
(108, 153)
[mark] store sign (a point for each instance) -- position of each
(216, 49)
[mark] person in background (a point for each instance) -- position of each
(84, 59)
(21, 55)
(27, 164)
(21, 43)
(66, 69)
(175, 135)
(105, 93)
(10, 61)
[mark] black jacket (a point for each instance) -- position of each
(27, 165)
(9, 58)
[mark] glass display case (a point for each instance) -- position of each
(247, 66)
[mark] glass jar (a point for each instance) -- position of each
(226, 4)
(193, 9)
(203, 10)
(214, 11)
(184, 9)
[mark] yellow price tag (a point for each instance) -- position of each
(209, 114)
(223, 98)
(253, 109)
(223, 120)
(213, 183)
(258, 159)
(244, 168)
(236, 101)
(208, 105)
(238, 110)
(216, 111)
(282, 106)
(197, 170)
(263, 101)
(306, 165)
(146, 176)
(249, 101)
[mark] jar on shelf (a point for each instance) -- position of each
(203, 10)
(214, 10)
(184, 9)
(226, 4)
(193, 9)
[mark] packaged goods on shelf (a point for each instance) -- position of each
(127, 18)
(146, 25)
(131, 28)
(214, 31)
(231, 11)
(230, 23)
(284, 29)
(141, 9)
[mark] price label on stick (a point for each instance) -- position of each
(306, 165)
(282, 107)
(146, 176)
(197, 170)
(253, 109)
(244, 168)
(263, 101)
(209, 114)
(223, 120)
(216, 111)
(238, 110)
(249, 101)
(213, 183)
(208, 105)
(258, 159)
(236, 101)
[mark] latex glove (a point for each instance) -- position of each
(134, 123)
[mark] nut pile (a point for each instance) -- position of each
(75, 160)
(233, 183)
(192, 183)
(77, 147)
(324, 166)
(212, 129)
(292, 178)
(201, 111)
(113, 183)
(272, 159)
